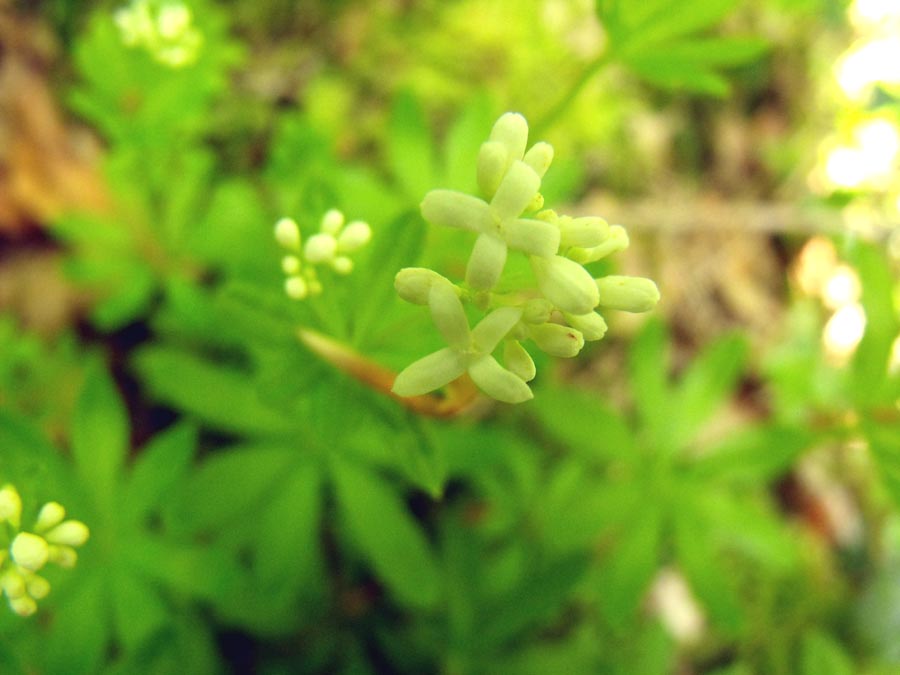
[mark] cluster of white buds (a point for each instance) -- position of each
(557, 312)
(164, 28)
(52, 539)
(331, 246)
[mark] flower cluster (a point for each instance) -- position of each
(330, 246)
(162, 28)
(557, 312)
(24, 553)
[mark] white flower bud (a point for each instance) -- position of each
(413, 284)
(566, 284)
(591, 325)
(296, 288)
(287, 234)
(356, 235)
(486, 262)
(516, 191)
(23, 605)
(13, 584)
(557, 340)
(450, 208)
(320, 248)
(50, 515)
(512, 131)
(290, 264)
(492, 162)
(69, 533)
(342, 264)
(616, 241)
(537, 310)
(518, 360)
(332, 222)
(532, 236)
(629, 294)
(29, 551)
(498, 382)
(582, 232)
(173, 21)
(10, 505)
(64, 556)
(539, 157)
(38, 587)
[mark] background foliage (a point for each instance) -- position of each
(714, 490)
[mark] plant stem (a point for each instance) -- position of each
(460, 393)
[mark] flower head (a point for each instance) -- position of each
(52, 539)
(163, 28)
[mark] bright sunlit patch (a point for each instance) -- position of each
(872, 62)
(815, 265)
(875, 11)
(674, 603)
(879, 142)
(845, 167)
(843, 331)
(842, 288)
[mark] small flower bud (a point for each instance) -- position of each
(592, 325)
(287, 234)
(616, 241)
(516, 191)
(10, 505)
(486, 262)
(356, 235)
(38, 587)
(29, 551)
(64, 556)
(566, 284)
(539, 157)
(290, 264)
(296, 288)
(23, 605)
(413, 284)
(332, 222)
(582, 232)
(537, 310)
(173, 21)
(320, 248)
(629, 294)
(518, 361)
(456, 209)
(50, 515)
(342, 264)
(512, 131)
(13, 584)
(492, 163)
(557, 340)
(69, 533)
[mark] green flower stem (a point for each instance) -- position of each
(460, 393)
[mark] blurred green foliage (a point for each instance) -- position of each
(293, 520)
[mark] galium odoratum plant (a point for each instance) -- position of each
(557, 313)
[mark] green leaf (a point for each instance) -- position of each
(648, 363)
(709, 380)
(540, 595)
(138, 610)
(658, 69)
(233, 485)
(754, 456)
(394, 246)
(161, 465)
(722, 52)
(288, 547)
(76, 646)
(469, 131)
(387, 535)
(656, 21)
(701, 561)
(100, 435)
(219, 395)
(584, 423)
(410, 148)
(884, 445)
(823, 655)
(129, 298)
(870, 363)
(630, 565)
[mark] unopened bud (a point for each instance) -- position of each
(492, 162)
(50, 515)
(287, 233)
(10, 505)
(29, 551)
(583, 232)
(342, 264)
(332, 222)
(566, 284)
(539, 157)
(413, 284)
(557, 340)
(518, 361)
(537, 310)
(320, 248)
(69, 533)
(629, 294)
(38, 587)
(592, 325)
(617, 240)
(290, 264)
(296, 288)
(353, 237)
(23, 605)
(512, 131)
